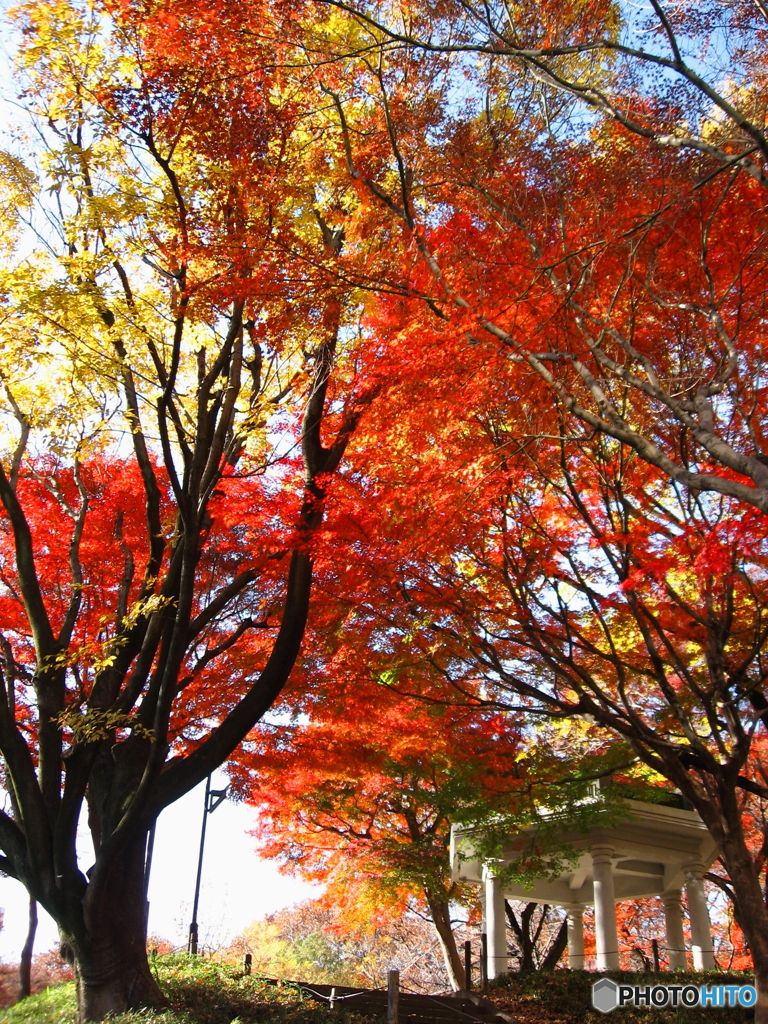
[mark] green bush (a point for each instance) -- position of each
(565, 997)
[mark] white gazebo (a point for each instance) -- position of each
(655, 851)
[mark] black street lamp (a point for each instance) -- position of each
(213, 797)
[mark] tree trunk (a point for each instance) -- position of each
(112, 973)
(556, 950)
(522, 932)
(25, 963)
(454, 968)
(752, 913)
(726, 827)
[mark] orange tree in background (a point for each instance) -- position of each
(582, 486)
(362, 796)
(360, 791)
(558, 570)
(502, 91)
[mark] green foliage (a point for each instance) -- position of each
(594, 795)
(95, 724)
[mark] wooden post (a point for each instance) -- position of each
(247, 963)
(484, 961)
(655, 948)
(468, 965)
(393, 997)
(332, 1000)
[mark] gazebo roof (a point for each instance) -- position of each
(651, 847)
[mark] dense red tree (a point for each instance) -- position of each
(587, 302)
(364, 801)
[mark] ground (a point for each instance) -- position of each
(199, 992)
(203, 992)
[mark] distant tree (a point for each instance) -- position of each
(47, 968)
(538, 933)
(368, 805)
(319, 940)
(25, 961)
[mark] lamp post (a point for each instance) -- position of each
(213, 797)
(147, 869)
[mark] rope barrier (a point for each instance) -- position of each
(333, 997)
(337, 997)
(439, 1001)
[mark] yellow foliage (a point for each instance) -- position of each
(94, 724)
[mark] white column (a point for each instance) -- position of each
(701, 931)
(496, 924)
(576, 938)
(673, 916)
(606, 935)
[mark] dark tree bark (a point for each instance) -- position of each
(556, 950)
(108, 950)
(527, 931)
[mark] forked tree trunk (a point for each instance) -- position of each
(112, 973)
(527, 935)
(526, 941)
(556, 950)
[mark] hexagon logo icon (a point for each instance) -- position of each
(605, 995)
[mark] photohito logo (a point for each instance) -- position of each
(607, 995)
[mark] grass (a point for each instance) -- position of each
(54, 1005)
(565, 997)
(205, 992)
(199, 992)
